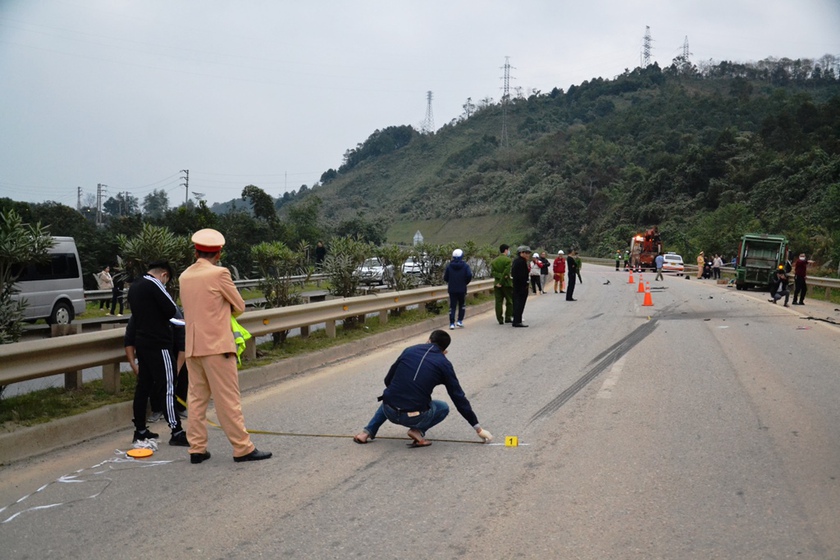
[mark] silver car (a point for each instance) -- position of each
(372, 272)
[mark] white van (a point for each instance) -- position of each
(53, 290)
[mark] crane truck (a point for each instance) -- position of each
(643, 249)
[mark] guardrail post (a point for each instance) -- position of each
(330, 328)
(304, 332)
(72, 379)
(383, 317)
(251, 349)
(111, 378)
(111, 372)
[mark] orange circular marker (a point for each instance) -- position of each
(266, 321)
(140, 453)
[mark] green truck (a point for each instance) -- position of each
(759, 255)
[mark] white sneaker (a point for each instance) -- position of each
(452, 327)
(460, 324)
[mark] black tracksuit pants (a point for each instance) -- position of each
(157, 365)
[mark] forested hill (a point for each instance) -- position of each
(706, 156)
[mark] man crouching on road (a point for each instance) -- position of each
(407, 399)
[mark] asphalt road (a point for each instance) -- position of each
(703, 427)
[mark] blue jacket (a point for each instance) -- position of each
(415, 374)
(659, 261)
(457, 275)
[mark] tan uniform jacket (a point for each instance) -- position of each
(209, 298)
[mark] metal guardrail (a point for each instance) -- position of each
(96, 295)
(69, 354)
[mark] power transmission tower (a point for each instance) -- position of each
(429, 122)
(186, 185)
(646, 48)
(685, 53)
(78, 199)
(505, 100)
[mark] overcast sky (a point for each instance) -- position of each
(128, 93)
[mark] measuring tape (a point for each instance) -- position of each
(510, 441)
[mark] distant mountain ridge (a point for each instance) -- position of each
(704, 155)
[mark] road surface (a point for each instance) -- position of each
(705, 426)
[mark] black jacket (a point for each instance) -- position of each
(519, 274)
(151, 309)
(774, 283)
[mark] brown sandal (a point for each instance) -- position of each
(362, 438)
(418, 440)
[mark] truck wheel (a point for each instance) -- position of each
(62, 314)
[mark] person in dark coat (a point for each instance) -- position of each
(779, 287)
(320, 254)
(571, 272)
(519, 273)
(153, 342)
(457, 275)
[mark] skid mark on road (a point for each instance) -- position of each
(605, 360)
(612, 378)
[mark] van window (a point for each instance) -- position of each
(60, 266)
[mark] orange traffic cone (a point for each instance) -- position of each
(641, 289)
(648, 300)
(630, 280)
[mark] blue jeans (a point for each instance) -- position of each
(422, 422)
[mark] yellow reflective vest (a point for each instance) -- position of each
(240, 335)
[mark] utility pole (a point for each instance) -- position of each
(186, 184)
(100, 189)
(505, 100)
(646, 48)
(429, 122)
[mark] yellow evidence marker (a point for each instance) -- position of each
(511, 441)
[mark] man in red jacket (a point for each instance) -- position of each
(559, 269)
(800, 269)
